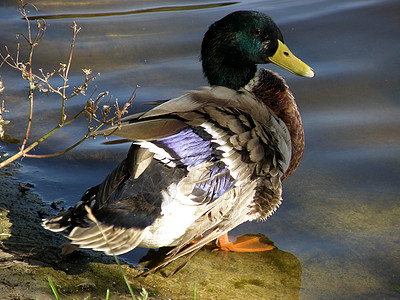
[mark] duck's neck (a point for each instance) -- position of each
(231, 74)
(270, 88)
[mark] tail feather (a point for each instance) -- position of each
(59, 223)
(106, 238)
(99, 237)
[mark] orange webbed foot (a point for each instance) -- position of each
(243, 243)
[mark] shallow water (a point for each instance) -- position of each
(340, 211)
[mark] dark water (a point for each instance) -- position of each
(340, 215)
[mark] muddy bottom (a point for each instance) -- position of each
(30, 255)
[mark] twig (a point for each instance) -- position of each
(28, 75)
(42, 83)
(66, 73)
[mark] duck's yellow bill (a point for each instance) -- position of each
(285, 59)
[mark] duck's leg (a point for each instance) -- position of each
(243, 243)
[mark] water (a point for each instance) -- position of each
(340, 211)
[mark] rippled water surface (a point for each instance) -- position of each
(340, 215)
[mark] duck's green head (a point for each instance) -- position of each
(233, 46)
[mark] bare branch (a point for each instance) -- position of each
(97, 115)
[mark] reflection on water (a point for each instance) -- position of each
(340, 211)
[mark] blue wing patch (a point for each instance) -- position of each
(188, 147)
(191, 147)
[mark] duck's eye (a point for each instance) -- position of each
(257, 32)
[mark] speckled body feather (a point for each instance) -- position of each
(270, 88)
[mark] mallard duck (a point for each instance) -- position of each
(204, 162)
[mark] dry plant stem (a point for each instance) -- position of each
(36, 82)
(66, 72)
(91, 133)
(27, 149)
(29, 75)
(33, 80)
